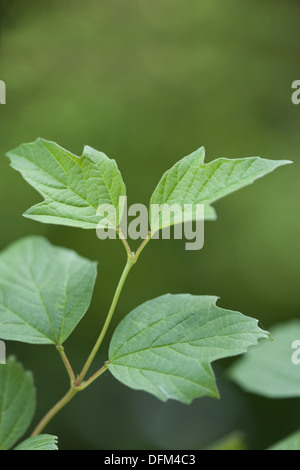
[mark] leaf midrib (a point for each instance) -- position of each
(208, 338)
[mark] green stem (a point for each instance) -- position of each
(51, 413)
(66, 362)
(124, 241)
(88, 382)
(78, 385)
(142, 246)
(130, 262)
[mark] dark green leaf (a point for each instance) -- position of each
(17, 402)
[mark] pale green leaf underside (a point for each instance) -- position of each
(190, 181)
(268, 370)
(291, 442)
(42, 442)
(166, 345)
(73, 187)
(44, 291)
(17, 402)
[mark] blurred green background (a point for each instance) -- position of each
(148, 82)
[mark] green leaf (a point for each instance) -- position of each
(269, 370)
(234, 441)
(166, 345)
(190, 181)
(289, 443)
(44, 291)
(73, 187)
(17, 402)
(42, 442)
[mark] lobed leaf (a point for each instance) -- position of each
(191, 181)
(73, 187)
(166, 345)
(44, 291)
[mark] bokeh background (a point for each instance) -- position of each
(148, 82)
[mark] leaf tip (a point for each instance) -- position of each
(282, 162)
(200, 152)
